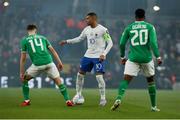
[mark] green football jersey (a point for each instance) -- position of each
(37, 48)
(142, 38)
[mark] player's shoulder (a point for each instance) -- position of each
(149, 24)
(24, 39)
(41, 36)
(129, 26)
(86, 28)
(102, 27)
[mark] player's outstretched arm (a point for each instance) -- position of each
(74, 40)
(62, 43)
(22, 63)
(56, 56)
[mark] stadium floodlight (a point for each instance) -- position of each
(6, 3)
(156, 8)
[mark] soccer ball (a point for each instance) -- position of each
(78, 100)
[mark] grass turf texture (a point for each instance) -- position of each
(48, 103)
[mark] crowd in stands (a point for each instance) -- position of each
(57, 28)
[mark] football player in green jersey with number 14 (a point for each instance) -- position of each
(39, 48)
(142, 38)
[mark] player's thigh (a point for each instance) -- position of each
(131, 68)
(148, 69)
(99, 66)
(32, 72)
(86, 64)
(52, 71)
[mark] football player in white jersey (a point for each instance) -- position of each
(99, 44)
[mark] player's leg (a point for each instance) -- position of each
(53, 73)
(80, 82)
(63, 90)
(131, 70)
(123, 86)
(100, 70)
(152, 93)
(149, 71)
(85, 66)
(31, 72)
(25, 90)
(121, 91)
(102, 88)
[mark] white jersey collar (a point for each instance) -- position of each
(95, 27)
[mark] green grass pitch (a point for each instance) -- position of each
(48, 103)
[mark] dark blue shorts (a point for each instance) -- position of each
(87, 64)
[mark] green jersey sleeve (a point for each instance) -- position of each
(153, 42)
(123, 40)
(23, 45)
(48, 43)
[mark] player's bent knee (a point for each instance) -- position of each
(27, 77)
(102, 84)
(128, 77)
(100, 80)
(99, 73)
(57, 80)
(82, 72)
(150, 79)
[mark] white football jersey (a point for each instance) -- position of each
(96, 40)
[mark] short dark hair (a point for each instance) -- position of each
(31, 27)
(140, 13)
(92, 14)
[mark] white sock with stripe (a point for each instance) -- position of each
(101, 85)
(79, 83)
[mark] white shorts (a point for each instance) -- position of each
(133, 68)
(49, 69)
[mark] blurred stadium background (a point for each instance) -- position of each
(63, 19)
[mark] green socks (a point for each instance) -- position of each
(63, 91)
(122, 88)
(151, 89)
(25, 89)
(152, 94)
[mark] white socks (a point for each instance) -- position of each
(101, 85)
(79, 83)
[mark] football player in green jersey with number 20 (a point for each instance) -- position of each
(142, 38)
(39, 49)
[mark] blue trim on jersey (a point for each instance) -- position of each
(87, 64)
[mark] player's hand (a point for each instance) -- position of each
(102, 58)
(60, 66)
(123, 61)
(22, 76)
(159, 61)
(63, 42)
